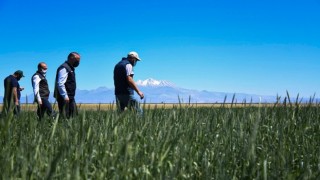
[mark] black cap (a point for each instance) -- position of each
(19, 72)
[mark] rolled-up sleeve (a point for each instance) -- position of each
(61, 80)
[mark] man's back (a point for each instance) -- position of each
(9, 83)
(120, 78)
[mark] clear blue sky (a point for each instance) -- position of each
(262, 47)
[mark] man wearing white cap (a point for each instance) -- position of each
(125, 85)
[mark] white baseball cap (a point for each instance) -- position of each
(134, 55)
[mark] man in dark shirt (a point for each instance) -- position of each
(11, 99)
(125, 85)
(65, 86)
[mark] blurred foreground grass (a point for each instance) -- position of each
(183, 142)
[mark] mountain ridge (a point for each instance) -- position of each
(161, 91)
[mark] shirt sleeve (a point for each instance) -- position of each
(62, 78)
(129, 70)
(35, 84)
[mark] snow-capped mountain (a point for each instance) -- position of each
(159, 91)
(154, 83)
(162, 91)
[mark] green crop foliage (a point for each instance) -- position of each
(184, 142)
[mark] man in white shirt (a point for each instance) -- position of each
(41, 91)
(66, 85)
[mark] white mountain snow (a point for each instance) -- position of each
(150, 82)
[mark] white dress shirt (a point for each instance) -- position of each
(35, 84)
(62, 79)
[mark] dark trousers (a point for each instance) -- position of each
(17, 109)
(128, 101)
(9, 106)
(44, 108)
(67, 110)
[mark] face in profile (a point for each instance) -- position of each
(76, 61)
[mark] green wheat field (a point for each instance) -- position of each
(280, 141)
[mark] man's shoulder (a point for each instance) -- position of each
(122, 64)
(124, 61)
(37, 75)
(10, 78)
(67, 67)
(7, 78)
(129, 65)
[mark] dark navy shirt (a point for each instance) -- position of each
(9, 83)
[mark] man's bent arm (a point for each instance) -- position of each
(35, 83)
(15, 95)
(62, 78)
(134, 86)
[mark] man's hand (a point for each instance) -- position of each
(17, 102)
(66, 99)
(141, 94)
(134, 86)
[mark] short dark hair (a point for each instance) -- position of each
(73, 55)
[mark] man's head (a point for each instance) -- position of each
(133, 57)
(18, 74)
(74, 59)
(42, 67)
